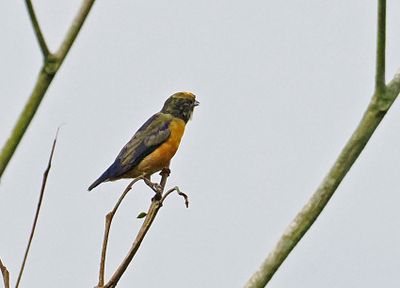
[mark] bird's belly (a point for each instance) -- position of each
(161, 157)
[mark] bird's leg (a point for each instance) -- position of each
(157, 188)
(154, 186)
(165, 172)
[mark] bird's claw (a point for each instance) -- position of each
(154, 186)
(157, 188)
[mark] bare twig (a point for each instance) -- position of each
(155, 205)
(6, 275)
(109, 218)
(381, 102)
(151, 214)
(47, 72)
(45, 175)
(36, 28)
(180, 193)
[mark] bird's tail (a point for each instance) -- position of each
(95, 184)
(109, 175)
(103, 178)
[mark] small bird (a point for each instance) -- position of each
(155, 143)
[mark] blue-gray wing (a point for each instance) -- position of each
(149, 137)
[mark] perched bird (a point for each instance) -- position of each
(155, 143)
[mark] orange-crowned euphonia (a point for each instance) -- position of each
(155, 143)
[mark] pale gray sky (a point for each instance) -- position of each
(282, 84)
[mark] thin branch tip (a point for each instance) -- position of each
(179, 192)
(6, 275)
(108, 221)
(38, 207)
(380, 48)
(38, 31)
(155, 205)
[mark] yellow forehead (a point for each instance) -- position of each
(185, 95)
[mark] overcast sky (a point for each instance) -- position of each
(282, 84)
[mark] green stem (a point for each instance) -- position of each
(25, 118)
(307, 216)
(381, 102)
(36, 28)
(49, 69)
(74, 29)
(380, 47)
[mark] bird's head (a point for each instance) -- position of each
(181, 105)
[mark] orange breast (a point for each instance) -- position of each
(161, 157)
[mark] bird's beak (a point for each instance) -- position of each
(196, 103)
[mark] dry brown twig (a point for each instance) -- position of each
(180, 193)
(109, 218)
(44, 181)
(156, 204)
(6, 275)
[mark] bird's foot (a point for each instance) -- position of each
(154, 186)
(165, 172)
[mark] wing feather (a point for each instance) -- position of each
(149, 137)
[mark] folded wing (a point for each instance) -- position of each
(149, 137)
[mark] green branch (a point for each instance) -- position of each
(36, 28)
(51, 65)
(380, 47)
(73, 30)
(381, 101)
